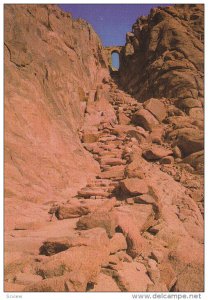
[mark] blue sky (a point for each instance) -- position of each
(110, 21)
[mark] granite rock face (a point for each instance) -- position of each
(51, 64)
(166, 57)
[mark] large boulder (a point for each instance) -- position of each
(134, 186)
(190, 141)
(145, 119)
(196, 160)
(132, 277)
(69, 211)
(156, 152)
(103, 219)
(156, 107)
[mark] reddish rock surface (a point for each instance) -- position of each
(103, 189)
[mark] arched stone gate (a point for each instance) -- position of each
(109, 51)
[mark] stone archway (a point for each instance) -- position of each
(109, 51)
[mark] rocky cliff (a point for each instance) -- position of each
(103, 188)
(51, 64)
(163, 56)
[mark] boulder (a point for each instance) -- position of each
(156, 152)
(134, 186)
(196, 160)
(103, 219)
(121, 130)
(157, 108)
(123, 119)
(134, 170)
(136, 134)
(71, 211)
(132, 277)
(90, 136)
(88, 192)
(145, 119)
(156, 136)
(136, 244)
(189, 140)
(116, 172)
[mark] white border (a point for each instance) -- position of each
(85, 295)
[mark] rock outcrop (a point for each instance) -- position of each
(52, 64)
(163, 56)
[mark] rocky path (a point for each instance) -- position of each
(135, 227)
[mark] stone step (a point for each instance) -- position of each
(114, 173)
(111, 161)
(88, 192)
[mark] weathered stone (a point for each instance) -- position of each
(133, 170)
(156, 152)
(156, 107)
(88, 192)
(103, 219)
(134, 186)
(90, 137)
(123, 119)
(71, 211)
(189, 140)
(112, 161)
(196, 160)
(145, 119)
(116, 172)
(132, 277)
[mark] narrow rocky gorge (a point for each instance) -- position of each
(126, 212)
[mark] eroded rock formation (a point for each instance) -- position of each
(52, 66)
(121, 177)
(164, 55)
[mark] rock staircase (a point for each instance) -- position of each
(121, 214)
